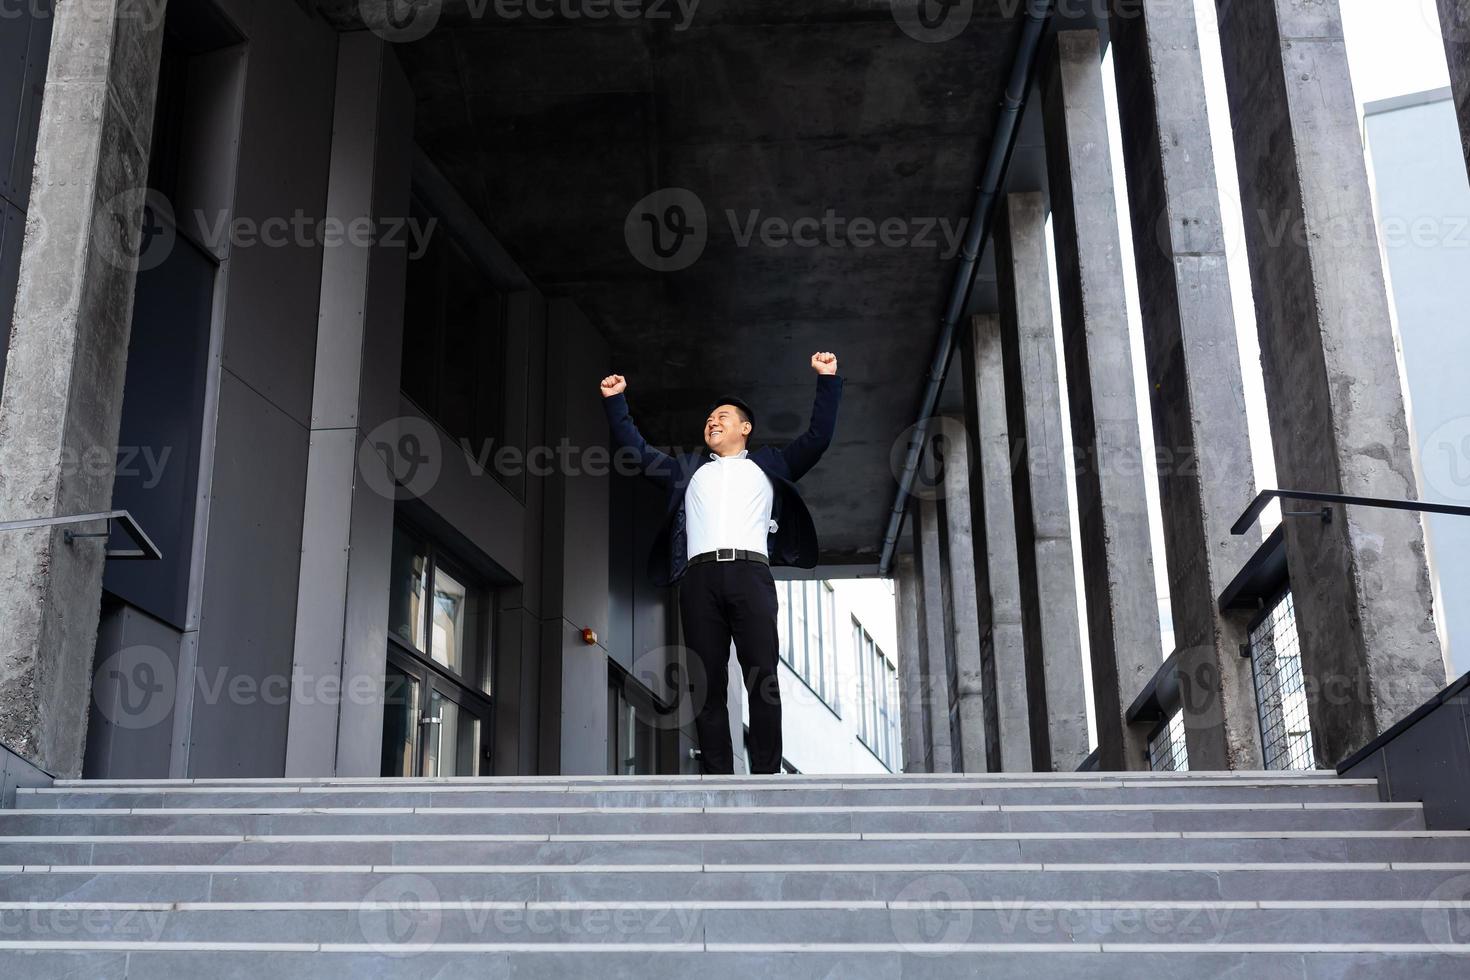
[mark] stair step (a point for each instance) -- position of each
(627, 820)
(395, 926)
(1194, 881)
(917, 794)
(1298, 875)
(750, 848)
(563, 962)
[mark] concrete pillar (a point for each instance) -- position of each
(997, 570)
(347, 525)
(1193, 363)
(1454, 23)
(913, 714)
(1051, 624)
(1122, 606)
(968, 623)
(1361, 583)
(62, 399)
(934, 637)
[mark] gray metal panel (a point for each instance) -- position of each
(12, 233)
(248, 620)
(285, 145)
(24, 49)
(130, 726)
(162, 414)
(475, 504)
(1426, 760)
(17, 773)
(251, 561)
(583, 518)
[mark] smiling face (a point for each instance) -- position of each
(726, 430)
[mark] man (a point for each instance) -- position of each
(732, 514)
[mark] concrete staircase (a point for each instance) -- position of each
(1085, 875)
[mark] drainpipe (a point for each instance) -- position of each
(976, 236)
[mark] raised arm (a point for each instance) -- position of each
(808, 447)
(652, 463)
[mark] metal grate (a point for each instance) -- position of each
(1166, 750)
(1281, 697)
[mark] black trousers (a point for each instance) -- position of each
(720, 602)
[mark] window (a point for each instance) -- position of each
(450, 626)
(453, 340)
(877, 697)
(436, 705)
(636, 740)
(806, 623)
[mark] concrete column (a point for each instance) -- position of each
(1363, 596)
(938, 658)
(1193, 362)
(62, 400)
(1051, 624)
(1454, 23)
(347, 526)
(969, 632)
(1122, 606)
(913, 714)
(997, 571)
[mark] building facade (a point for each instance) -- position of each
(318, 292)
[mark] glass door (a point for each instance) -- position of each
(452, 727)
(402, 694)
(437, 693)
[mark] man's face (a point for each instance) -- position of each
(725, 431)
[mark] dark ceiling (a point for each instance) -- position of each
(553, 129)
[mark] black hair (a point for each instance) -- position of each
(746, 415)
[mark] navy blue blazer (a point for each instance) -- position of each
(794, 542)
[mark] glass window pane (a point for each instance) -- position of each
(407, 571)
(813, 631)
(400, 722)
(447, 644)
(453, 742)
(798, 627)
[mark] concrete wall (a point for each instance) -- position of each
(1423, 200)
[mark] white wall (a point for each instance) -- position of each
(815, 737)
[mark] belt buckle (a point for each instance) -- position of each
(724, 554)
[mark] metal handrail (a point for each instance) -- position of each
(1253, 512)
(146, 550)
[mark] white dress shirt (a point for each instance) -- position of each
(728, 505)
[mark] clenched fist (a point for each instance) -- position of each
(614, 384)
(824, 362)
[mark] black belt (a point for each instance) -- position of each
(730, 554)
